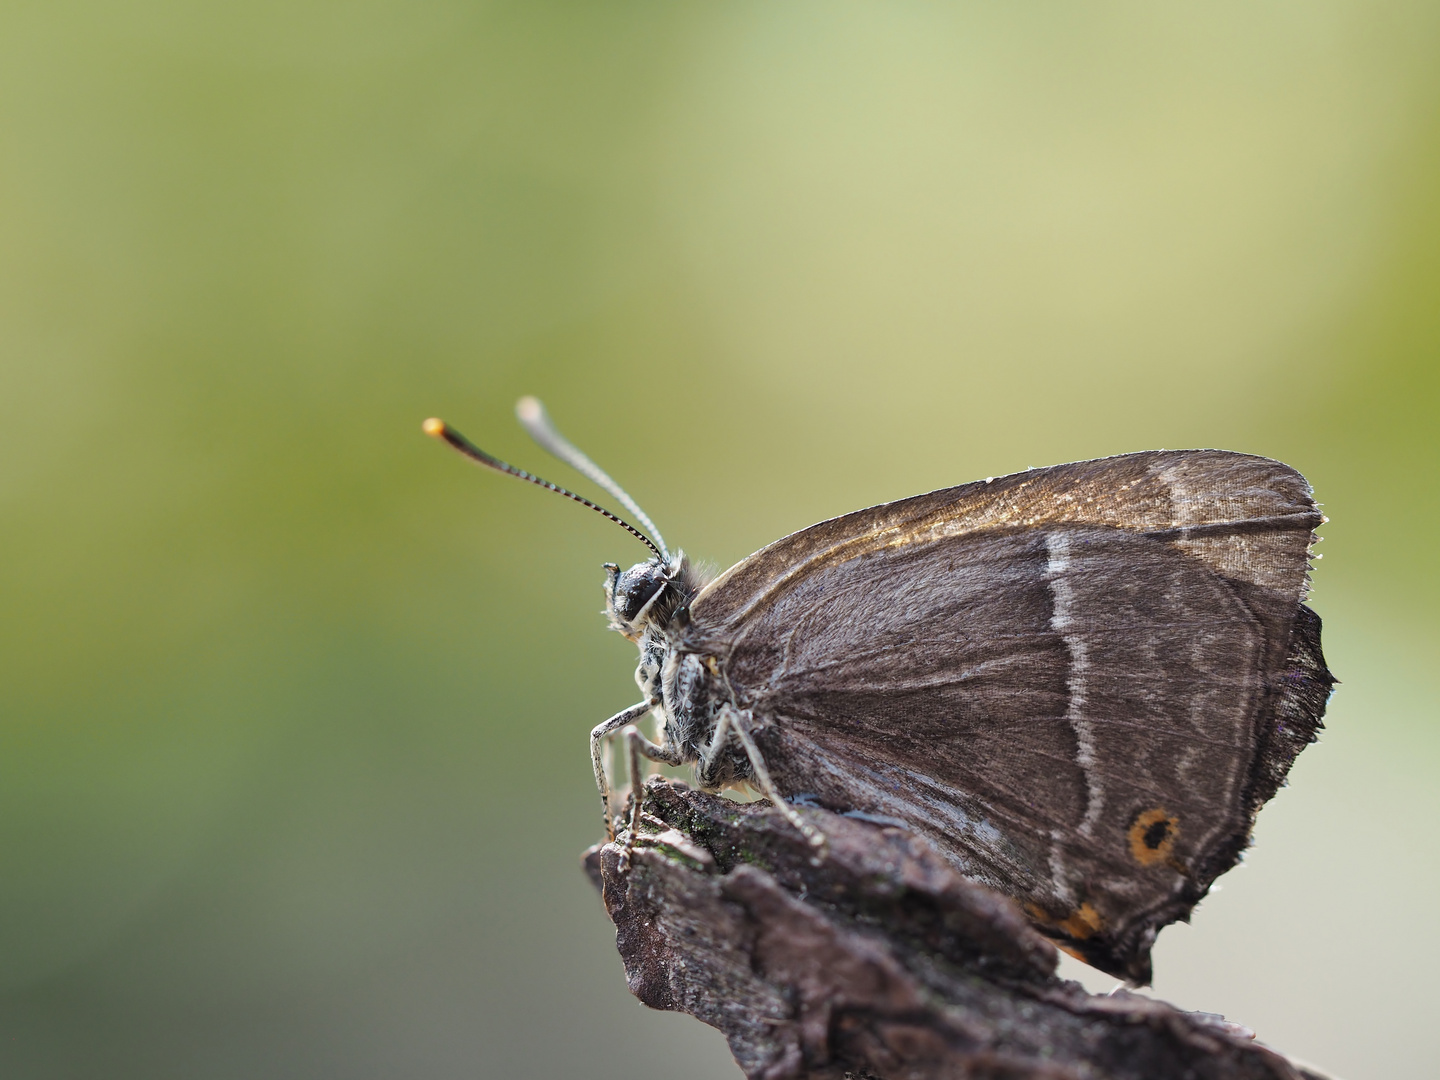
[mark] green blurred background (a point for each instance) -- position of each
(293, 704)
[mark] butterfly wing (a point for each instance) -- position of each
(1081, 681)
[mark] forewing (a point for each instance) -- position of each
(1070, 677)
(1247, 518)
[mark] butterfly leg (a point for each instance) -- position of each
(731, 717)
(639, 747)
(597, 747)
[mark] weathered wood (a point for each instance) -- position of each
(874, 959)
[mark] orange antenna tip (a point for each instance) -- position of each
(434, 427)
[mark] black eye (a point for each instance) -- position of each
(634, 591)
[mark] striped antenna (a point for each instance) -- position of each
(542, 429)
(438, 429)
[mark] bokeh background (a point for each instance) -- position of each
(293, 704)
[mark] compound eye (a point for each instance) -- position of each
(634, 591)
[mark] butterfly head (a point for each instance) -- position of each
(647, 595)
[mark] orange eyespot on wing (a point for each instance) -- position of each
(1152, 836)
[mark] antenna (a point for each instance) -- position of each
(438, 429)
(542, 429)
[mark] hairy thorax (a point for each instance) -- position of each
(650, 604)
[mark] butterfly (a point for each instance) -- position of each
(1080, 682)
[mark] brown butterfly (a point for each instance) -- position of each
(1080, 682)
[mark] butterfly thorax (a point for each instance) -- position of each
(649, 603)
(694, 692)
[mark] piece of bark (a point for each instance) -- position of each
(874, 959)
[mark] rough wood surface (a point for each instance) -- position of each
(874, 959)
